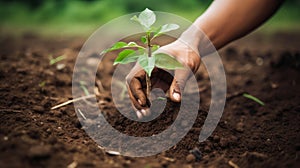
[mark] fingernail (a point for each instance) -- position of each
(144, 112)
(140, 102)
(139, 114)
(176, 96)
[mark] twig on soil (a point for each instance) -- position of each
(168, 159)
(82, 115)
(255, 154)
(72, 165)
(72, 101)
(235, 94)
(233, 164)
(113, 152)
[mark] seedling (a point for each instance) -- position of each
(254, 99)
(161, 98)
(83, 87)
(55, 60)
(42, 84)
(145, 55)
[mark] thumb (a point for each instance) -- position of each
(178, 84)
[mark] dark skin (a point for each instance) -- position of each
(223, 22)
(136, 83)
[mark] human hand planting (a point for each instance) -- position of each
(221, 23)
(162, 79)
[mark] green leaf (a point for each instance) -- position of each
(116, 46)
(167, 62)
(141, 51)
(147, 18)
(254, 99)
(154, 47)
(119, 45)
(147, 63)
(144, 39)
(166, 28)
(57, 59)
(42, 84)
(126, 56)
(132, 44)
(161, 98)
(83, 87)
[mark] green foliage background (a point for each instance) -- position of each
(82, 17)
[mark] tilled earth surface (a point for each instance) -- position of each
(248, 134)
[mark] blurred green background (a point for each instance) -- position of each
(82, 17)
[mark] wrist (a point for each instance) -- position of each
(191, 37)
(198, 40)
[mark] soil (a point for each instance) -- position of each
(248, 134)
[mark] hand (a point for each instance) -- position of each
(136, 82)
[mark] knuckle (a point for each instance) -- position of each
(180, 83)
(193, 63)
(190, 64)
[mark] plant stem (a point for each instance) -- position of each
(148, 80)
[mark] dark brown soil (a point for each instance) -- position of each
(248, 135)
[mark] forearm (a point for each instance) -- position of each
(225, 21)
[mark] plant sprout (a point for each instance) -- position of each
(42, 84)
(83, 87)
(254, 99)
(57, 59)
(161, 98)
(145, 56)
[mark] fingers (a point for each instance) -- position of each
(175, 94)
(135, 86)
(136, 93)
(138, 102)
(178, 84)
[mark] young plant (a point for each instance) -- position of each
(55, 60)
(83, 87)
(145, 55)
(254, 99)
(42, 84)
